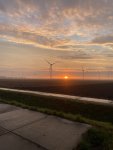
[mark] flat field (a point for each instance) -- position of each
(87, 88)
(100, 136)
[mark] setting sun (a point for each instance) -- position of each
(66, 77)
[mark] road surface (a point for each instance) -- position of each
(30, 130)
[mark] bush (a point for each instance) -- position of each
(97, 139)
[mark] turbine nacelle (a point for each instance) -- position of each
(50, 68)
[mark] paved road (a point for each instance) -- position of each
(29, 130)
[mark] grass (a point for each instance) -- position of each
(99, 137)
(88, 110)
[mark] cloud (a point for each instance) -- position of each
(80, 54)
(67, 25)
(59, 18)
(107, 39)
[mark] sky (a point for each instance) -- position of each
(75, 34)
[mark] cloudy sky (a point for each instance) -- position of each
(72, 33)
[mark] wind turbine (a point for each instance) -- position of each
(83, 72)
(50, 68)
(98, 74)
(111, 74)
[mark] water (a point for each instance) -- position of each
(101, 101)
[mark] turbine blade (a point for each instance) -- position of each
(48, 62)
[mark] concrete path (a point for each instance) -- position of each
(87, 99)
(29, 130)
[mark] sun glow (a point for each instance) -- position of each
(66, 77)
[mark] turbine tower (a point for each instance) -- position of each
(50, 68)
(83, 72)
